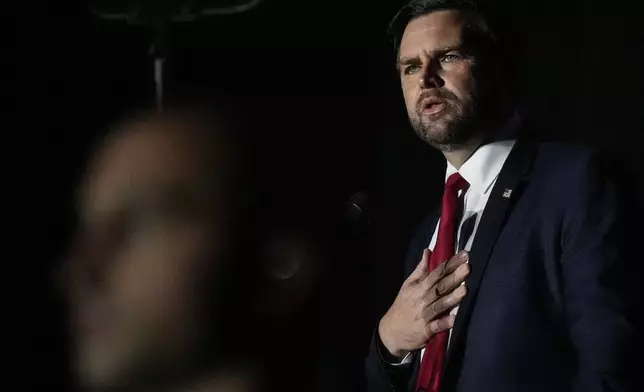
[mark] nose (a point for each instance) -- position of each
(430, 76)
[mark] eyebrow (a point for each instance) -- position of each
(166, 197)
(172, 196)
(413, 60)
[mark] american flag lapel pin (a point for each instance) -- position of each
(507, 193)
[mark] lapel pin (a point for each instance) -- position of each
(507, 193)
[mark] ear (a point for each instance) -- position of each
(283, 256)
(292, 270)
(280, 259)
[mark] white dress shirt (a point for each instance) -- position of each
(481, 171)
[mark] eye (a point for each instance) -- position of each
(410, 69)
(141, 222)
(450, 58)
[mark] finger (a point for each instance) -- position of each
(446, 268)
(421, 269)
(450, 282)
(444, 304)
(440, 325)
(457, 260)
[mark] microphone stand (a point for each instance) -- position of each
(159, 54)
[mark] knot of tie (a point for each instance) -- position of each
(456, 183)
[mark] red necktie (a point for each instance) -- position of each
(432, 363)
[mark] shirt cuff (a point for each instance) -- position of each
(405, 361)
(390, 359)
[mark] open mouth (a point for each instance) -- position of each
(433, 108)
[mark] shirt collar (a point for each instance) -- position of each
(484, 166)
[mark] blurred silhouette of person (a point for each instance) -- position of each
(295, 262)
(161, 277)
(305, 305)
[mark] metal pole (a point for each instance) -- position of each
(158, 81)
(158, 50)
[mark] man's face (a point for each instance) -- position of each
(148, 236)
(437, 74)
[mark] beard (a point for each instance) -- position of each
(453, 126)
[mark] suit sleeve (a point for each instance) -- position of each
(381, 374)
(599, 264)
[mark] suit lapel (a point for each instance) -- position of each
(504, 192)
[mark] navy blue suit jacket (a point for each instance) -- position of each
(554, 298)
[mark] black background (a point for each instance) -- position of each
(323, 76)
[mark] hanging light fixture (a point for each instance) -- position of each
(158, 15)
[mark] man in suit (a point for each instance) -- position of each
(523, 278)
